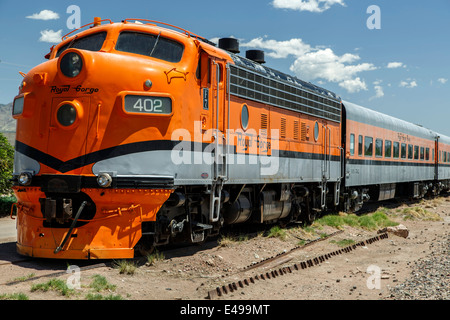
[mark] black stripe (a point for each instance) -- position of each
(392, 163)
(136, 147)
(93, 157)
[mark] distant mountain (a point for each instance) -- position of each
(7, 123)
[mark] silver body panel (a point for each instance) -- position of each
(245, 170)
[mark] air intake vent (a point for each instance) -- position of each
(229, 44)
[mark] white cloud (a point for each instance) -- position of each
(395, 65)
(51, 36)
(44, 15)
(353, 85)
(317, 63)
(306, 5)
(442, 80)
(408, 84)
(379, 93)
(280, 49)
(325, 64)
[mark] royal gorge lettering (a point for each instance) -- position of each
(77, 89)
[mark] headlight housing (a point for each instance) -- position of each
(69, 114)
(104, 180)
(25, 178)
(71, 64)
(18, 106)
(66, 115)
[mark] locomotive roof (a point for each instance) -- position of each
(364, 115)
(277, 75)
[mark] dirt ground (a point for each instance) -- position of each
(369, 272)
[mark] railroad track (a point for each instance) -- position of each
(284, 254)
(236, 285)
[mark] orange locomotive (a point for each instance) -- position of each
(136, 134)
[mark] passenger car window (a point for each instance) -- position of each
(378, 148)
(93, 42)
(360, 145)
(396, 149)
(416, 152)
(410, 151)
(150, 45)
(368, 146)
(352, 144)
(403, 150)
(387, 148)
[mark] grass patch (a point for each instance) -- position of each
(100, 283)
(277, 232)
(14, 296)
(24, 278)
(98, 296)
(229, 241)
(156, 256)
(125, 267)
(54, 285)
(334, 221)
(343, 242)
(376, 220)
(419, 213)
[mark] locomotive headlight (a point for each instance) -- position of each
(25, 178)
(66, 115)
(71, 64)
(69, 114)
(104, 180)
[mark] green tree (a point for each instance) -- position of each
(6, 164)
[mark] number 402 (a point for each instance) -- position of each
(149, 105)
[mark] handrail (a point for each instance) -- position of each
(95, 23)
(188, 33)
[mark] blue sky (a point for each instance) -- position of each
(402, 69)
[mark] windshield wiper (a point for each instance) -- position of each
(156, 43)
(71, 42)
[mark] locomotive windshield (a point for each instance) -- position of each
(93, 42)
(150, 45)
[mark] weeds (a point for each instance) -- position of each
(98, 296)
(343, 242)
(14, 296)
(100, 283)
(277, 232)
(54, 285)
(419, 213)
(152, 258)
(125, 267)
(373, 221)
(228, 241)
(24, 278)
